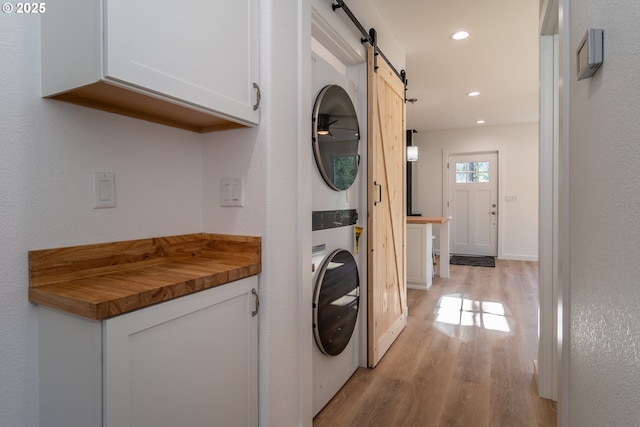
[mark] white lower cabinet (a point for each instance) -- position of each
(187, 362)
(419, 256)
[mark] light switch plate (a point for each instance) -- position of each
(104, 190)
(232, 192)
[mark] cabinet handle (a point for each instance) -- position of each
(255, 293)
(257, 104)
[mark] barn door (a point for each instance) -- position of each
(387, 291)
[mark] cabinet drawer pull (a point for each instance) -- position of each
(255, 293)
(257, 104)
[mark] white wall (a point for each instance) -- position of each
(167, 182)
(48, 150)
(276, 163)
(518, 231)
(604, 235)
(268, 158)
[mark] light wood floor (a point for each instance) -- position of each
(464, 359)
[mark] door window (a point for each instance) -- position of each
(470, 172)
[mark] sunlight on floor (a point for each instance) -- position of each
(455, 310)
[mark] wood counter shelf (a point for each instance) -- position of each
(427, 219)
(100, 281)
(114, 339)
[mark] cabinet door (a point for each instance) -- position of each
(187, 362)
(417, 253)
(419, 256)
(204, 52)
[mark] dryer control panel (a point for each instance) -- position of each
(322, 220)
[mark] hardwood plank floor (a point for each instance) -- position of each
(464, 359)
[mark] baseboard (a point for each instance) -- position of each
(419, 286)
(509, 257)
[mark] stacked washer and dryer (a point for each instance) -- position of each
(338, 311)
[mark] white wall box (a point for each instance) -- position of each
(191, 361)
(191, 64)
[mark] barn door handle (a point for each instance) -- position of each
(379, 193)
(255, 293)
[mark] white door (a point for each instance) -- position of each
(473, 203)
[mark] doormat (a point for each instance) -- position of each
(475, 261)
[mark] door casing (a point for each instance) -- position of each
(501, 150)
(482, 229)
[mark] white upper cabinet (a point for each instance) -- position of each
(190, 64)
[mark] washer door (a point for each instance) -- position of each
(335, 302)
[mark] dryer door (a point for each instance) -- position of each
(336, 135)
(335, 302)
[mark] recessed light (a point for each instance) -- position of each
(481, 122)
(459, 35)
(473, 93)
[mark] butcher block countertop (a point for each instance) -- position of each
(107, 279)
(427, 219)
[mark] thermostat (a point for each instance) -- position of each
(589, 54)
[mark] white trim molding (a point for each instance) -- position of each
(501, 150)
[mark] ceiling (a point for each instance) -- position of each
(499, 59)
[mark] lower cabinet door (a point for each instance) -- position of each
(187, 362)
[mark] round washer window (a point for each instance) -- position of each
(335, 302)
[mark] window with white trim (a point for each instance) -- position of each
(472, 172)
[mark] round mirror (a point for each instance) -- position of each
(335, 137)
